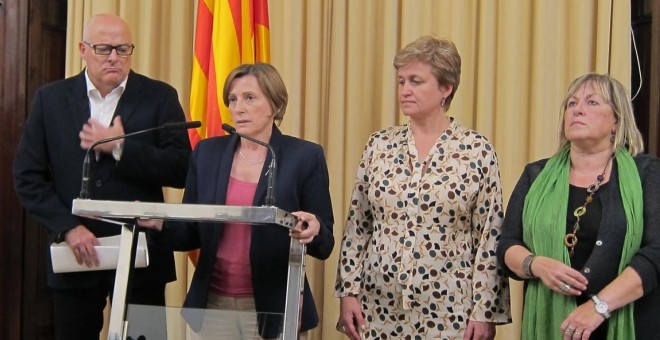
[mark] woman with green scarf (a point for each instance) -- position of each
(583, 227)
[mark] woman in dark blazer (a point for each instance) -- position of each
(247, 265)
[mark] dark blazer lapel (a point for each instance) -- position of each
(78, 100)
(224, 167)
(129, 99)
(226, 160)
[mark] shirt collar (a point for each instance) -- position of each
(92, 89)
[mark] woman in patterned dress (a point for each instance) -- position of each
(417, 257)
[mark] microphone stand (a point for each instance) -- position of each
(272, 172)
(84, 186)
(296, 272)
(272, 167)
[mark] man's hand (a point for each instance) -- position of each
(81, 241)
(94, 131)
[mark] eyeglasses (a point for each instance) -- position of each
(105, 49)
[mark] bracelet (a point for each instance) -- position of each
(527, 265)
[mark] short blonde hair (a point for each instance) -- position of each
(617, 97)
(440, 54)
(269, 80)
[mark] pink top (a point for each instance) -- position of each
(231, 272)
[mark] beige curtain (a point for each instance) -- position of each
(336, 59)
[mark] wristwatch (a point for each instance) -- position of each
(601, 306)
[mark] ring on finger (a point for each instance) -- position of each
(341, 328)
(577, 334)
(569, 330)
(564, 287)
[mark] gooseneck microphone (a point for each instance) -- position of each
(84, 188)
(272, 167)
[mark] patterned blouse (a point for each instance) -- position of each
(420, 245)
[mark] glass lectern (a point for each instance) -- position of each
(121, 325)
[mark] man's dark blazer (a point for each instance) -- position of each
(302, 184)
(48, 165)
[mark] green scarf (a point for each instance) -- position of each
(545, 204)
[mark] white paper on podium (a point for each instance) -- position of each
(107, 251)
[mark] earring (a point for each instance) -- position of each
(613, 137)
(442, 102)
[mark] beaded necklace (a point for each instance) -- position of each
(571, 239)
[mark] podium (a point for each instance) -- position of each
(263, 215)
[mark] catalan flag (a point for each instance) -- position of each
(228, 33)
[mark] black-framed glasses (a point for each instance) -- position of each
(123, 50)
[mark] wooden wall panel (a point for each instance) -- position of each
(13, 106)
(32, 52)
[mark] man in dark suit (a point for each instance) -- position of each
(107, 99)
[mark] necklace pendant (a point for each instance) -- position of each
(579, 211)
(570, 240)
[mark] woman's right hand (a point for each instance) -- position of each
(351, 321)
(151, 223)
(558, 276)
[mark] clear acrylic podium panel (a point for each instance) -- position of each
(177, 323)
(263, 215)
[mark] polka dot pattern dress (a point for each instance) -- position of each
(419, 245)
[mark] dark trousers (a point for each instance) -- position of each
(79, 312)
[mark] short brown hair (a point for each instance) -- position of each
(269, 80)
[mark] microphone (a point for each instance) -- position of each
(272, 167)
(84, 187)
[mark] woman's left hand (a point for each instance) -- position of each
(307, 228)
(581, 322)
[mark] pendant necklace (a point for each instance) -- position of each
(571, 239)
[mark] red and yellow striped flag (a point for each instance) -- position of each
(228, 33)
